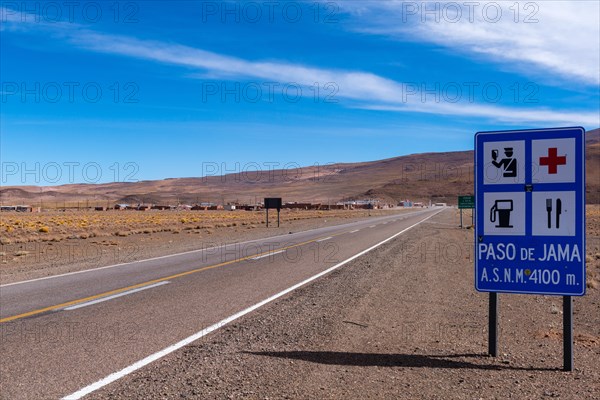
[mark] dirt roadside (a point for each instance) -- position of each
(403, 321)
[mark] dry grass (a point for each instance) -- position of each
(57, 226)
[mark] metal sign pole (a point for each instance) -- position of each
(567, 333)
(267, 217)
(278, 217)
(461, 218)
(493, 325)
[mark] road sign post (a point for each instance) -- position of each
(567, 333)
(530, 218)
(465, 202)
(493, 325)
(273, 202)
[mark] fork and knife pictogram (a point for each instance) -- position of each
(558, 212)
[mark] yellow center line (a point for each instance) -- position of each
(171, 277)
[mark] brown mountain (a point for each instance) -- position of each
(419, 177)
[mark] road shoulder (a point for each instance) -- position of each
(400, 322)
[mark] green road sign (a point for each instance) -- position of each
(466, 201)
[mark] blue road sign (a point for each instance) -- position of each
(530, 211)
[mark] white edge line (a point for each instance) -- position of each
(114, 296)
(324, 239)
(179, 254)
(151, 358)
(268, 254)
(354, 231)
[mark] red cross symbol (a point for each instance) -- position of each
(553, 160)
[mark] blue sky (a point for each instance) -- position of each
(136, 90)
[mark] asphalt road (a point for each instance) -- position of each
(63, 333)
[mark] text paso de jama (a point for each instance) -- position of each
(509, 251)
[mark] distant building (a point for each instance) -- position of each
(20, 208)
(335, 207)
(300, 206)
(162, 207)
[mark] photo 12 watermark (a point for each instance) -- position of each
(419, 332)
(270, 92)
(69, 92)
(54, 172)
(455, 12)
(66, 332)
(289, 252)
(73, 12)
(447, 253)
(62, 253)
(265, 172)
(433, 172)
(269, 12)
(468, 92)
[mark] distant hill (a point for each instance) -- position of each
(592, 165)
(418, 177)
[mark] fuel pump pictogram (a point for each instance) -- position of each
(500, 212)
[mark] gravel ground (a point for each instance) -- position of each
(401, 322)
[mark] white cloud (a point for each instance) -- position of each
(509, 115)
(539, 39)
(362, 89)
